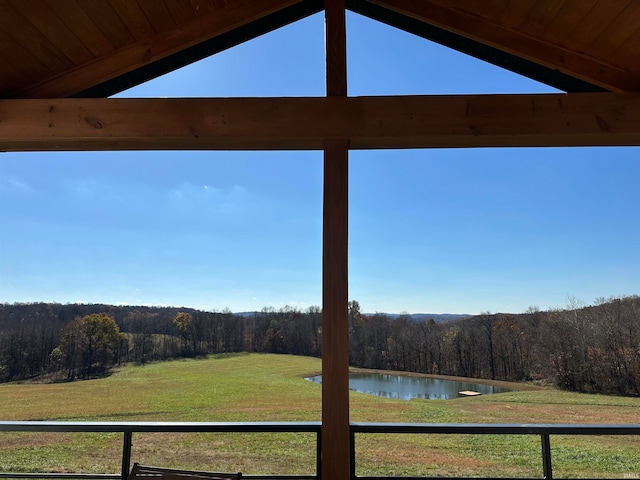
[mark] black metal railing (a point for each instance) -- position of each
(544, 431)
(129, 428)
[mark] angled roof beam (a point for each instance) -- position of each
(570, 63)
(549, 76)
(577, 119)
(232, 22)
(224, 41)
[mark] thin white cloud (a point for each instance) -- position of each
(13, 185)
(207, 198)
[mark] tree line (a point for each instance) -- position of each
(593, 348)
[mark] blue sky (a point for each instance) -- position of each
(430, 230)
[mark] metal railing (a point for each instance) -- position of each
(129, 428)
(544, 431)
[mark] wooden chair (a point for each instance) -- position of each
(142, 472)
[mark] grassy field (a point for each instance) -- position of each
(272, 388)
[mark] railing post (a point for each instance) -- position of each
(319, 453)
(546, 456)
(126, 454)
(352, 447)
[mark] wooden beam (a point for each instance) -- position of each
(336, 437)
(335, 321)
(579, 119)
(336, 48)
(441, 14)
(517, 64)
(210, 24)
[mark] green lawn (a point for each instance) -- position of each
(271, 388)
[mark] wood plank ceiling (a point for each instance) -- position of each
(597, 41)
(51, 48)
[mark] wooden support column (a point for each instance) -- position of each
(336, 48)
(335, 461)
(335, 322)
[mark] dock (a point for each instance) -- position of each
(469, 393)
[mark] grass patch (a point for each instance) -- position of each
(271, 388)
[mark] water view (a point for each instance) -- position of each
(405, 387)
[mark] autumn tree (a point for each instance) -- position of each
(184, 323)
(142, 340)
(428, 341)
(89, 345)
(356, 334)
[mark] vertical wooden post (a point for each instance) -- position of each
(336, 48)
(335, 324)
(335, 292)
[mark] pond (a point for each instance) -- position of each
(405, 387)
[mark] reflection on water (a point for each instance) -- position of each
(406, 388)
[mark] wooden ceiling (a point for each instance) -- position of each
(61, 48)
(95, 48)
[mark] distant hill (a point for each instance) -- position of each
(415, 317)
(421, 317)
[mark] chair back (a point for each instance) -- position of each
(144, 472)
